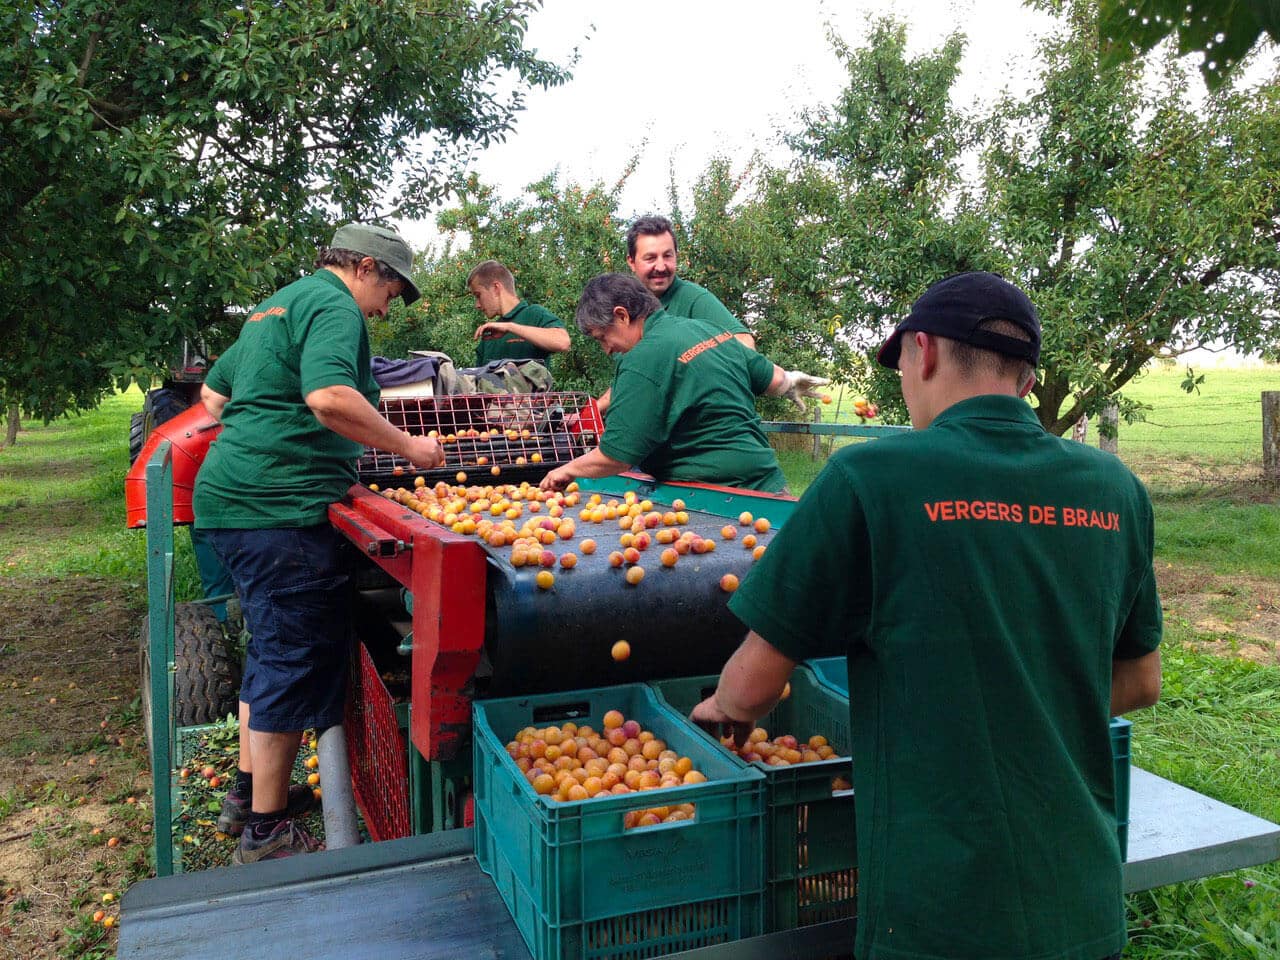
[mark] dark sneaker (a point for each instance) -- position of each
(235, 808)
(286, 840)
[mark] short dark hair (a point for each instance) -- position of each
(970, 359)
(491, 271)
(346, 259)
(650, 225)
(609, 290)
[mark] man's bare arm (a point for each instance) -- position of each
(213, 401)
(345, 411)
(751, 684)
(551, 339)
(1135, 683)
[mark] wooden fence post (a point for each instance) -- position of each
(1271, 434)
(1109, 429)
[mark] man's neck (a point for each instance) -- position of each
(948, 394)
(507, 302)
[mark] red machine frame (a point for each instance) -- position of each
(446, 574)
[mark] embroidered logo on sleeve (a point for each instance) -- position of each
(263, 314)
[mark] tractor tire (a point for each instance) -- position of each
(161, 405)
(206, 681)
(137, 435)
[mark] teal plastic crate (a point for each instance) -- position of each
(810, 835)
(581, 887)
(834, 673)
(1120, 731)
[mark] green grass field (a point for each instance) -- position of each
(1219, 424)
(1210, 437)
(1216, 729)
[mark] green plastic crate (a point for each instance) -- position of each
(581, 887)
(1120, 731)
(834, 673)
(810, 832)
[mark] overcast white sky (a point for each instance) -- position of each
(681, 83)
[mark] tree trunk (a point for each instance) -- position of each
(11, 429)
(1109, 429)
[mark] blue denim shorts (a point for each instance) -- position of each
(295, 586)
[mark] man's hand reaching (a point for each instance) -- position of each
(800, 385)
(424, 452)
(715, 721)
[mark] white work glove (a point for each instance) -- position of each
(799, 385)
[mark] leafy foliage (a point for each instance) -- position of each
(1222, 31)
(745, 250)
(553, 238)
(1142, 226)
(892, 147)
(162, 163)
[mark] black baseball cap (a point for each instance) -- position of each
(954, 307)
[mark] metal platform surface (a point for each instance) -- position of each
(425, 897)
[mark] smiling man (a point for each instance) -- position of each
(684, 395)
(652, 256)
(297, 402)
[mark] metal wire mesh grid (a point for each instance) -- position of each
(491, 430)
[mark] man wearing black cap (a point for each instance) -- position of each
(993, 587)
(298, 404)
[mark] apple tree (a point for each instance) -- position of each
(825, 253)
(1143, 225)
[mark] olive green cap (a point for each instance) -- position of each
(382, 244)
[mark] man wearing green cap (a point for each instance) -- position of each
(298, 404)
(993, 587)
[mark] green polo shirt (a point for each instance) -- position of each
(683, 407)
(511, 346)
(983, 575)
(274, 465)
(685, 299)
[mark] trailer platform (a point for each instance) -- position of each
(425, 897)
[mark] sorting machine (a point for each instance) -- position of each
(470, 624)
(445, 618)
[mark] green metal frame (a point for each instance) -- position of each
(436, 791)
(159, 472)
(831, 429)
